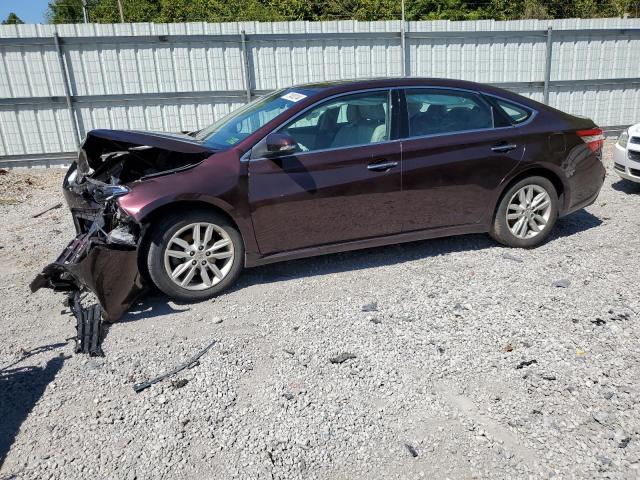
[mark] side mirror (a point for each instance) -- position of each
(279, 144)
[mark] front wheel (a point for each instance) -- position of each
(194, 256)
(526, 214)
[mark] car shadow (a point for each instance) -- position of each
(577, 222)
(20, 390)
(151, 303)
(626, 186)
(154, 303)
(361, 259)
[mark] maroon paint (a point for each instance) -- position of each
(450, 180)
(317, 198)
(320, 202)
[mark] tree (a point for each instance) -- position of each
(12, 19)
(534, 9)
(65, 11)
(106, 11)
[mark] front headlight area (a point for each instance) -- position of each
(623, 139)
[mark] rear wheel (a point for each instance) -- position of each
(526, 214)
(194, 256)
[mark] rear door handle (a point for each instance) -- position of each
(503, 147)
(381, 166)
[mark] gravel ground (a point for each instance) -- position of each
(466, 360)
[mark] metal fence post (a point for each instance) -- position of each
(67, 89)
(547, 68)
(245, 58)
(403, 42)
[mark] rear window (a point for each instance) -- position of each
(516, 113)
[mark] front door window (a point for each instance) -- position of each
(350, 120)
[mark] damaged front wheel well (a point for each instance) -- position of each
(153, 217)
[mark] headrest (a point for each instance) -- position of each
(436, 110)
(353, 113)
(328, 118)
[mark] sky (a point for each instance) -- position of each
(30, 11)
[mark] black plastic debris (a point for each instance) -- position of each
(138, 387)
(48, 209)
(412, 450)
(525, 363)
(88, 327)
(343, 357)
(620, 316)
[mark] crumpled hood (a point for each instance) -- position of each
(96, 143)
(118, 157)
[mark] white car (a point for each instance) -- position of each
(626, 156)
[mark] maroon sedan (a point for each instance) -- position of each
(317, 169)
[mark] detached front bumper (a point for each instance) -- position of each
(102, 258)
(110, 271)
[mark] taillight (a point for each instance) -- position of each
(594, 138)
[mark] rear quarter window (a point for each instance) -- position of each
(516, 113)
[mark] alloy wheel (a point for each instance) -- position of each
(529, 211)
(198, 256)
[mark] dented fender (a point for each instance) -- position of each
(103, 257)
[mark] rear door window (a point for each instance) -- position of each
(440, 111)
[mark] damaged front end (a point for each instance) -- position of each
(103, 262)
(103, 257)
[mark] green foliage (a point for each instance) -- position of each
(106, 11)
(12, 19)
(64, 11)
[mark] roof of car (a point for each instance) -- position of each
(328, 88)
(389, 82)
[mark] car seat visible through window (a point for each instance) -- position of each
(327, 128)
(365, 124)
(429, 121)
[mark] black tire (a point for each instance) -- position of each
(500, 230)
(162, 233)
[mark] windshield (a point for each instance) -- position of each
(241, 123)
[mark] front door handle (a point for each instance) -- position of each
(503, 147)
(381, 166)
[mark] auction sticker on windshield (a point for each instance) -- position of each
(293, 96)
